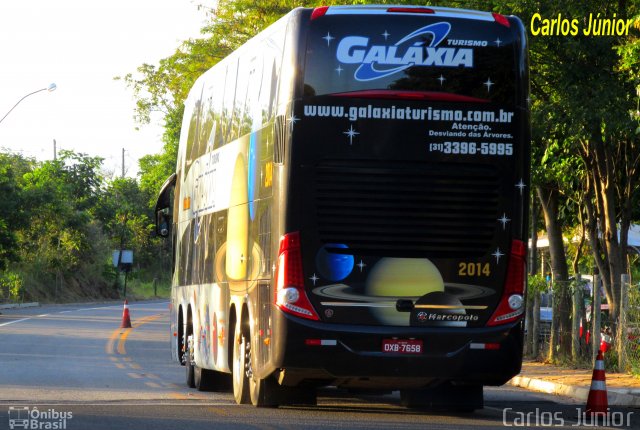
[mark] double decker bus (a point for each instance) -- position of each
(349, 208)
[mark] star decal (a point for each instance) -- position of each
(328, 38)
(521, 185)
(339, 70)
(497, 42)
(442, 79)
(361, 265)
(385, 35)
(351, 133)
(314, 279)
(498, 254)
(292, 120)
(488, 84)
(504, 220)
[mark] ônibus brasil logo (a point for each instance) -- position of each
(379, 61)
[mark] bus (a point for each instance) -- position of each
(349, 208)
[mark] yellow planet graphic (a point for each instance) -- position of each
(402, 278)
(238, 224)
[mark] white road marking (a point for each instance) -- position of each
(14, 321)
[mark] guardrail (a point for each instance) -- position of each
(19, 305)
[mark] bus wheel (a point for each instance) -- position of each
(240, 380)
(265, 393)
(189, 363)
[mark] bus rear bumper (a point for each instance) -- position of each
(353, 356)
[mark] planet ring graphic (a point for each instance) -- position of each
(242, 285)
(346, 292)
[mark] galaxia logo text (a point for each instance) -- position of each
(378, 61)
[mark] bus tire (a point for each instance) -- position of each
(264, 392)
(189, 364)
(240, 380)
(190, 374)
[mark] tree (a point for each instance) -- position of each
(156, 168)
(597, 101)
(127, 219)
(12, 209)
(58, 239)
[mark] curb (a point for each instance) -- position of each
(615, 398)
(20, 305)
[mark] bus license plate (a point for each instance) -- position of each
(402, 346)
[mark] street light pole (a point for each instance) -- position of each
(50, 88)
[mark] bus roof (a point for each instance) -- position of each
(441, 12)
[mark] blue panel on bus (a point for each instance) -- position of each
(251, 172)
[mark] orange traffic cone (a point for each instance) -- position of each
(597, 403)
(126, 319)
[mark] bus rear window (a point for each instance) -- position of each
(406, 53)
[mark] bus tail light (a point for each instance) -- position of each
(511, 306)
(290, 295)
(410, 10)
(318, 12)
(501, 19)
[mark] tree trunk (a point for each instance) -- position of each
(532, 337)
(561, 323)
(533, 255)
(611, 174)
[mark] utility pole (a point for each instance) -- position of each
(123, 162)
(55, 150)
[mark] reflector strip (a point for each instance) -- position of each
(598, 386)
(486, 346)
(361, 304)
(450, 307)
(320, 342)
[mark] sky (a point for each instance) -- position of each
(81, 46)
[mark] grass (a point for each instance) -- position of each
(140, 289)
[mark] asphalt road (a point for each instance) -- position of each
(72, 367)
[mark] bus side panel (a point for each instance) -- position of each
(210, 325)
(275, 184)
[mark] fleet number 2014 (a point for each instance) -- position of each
(474, 269)
(472, 148)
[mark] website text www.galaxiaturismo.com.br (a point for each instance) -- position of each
(355, 113)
